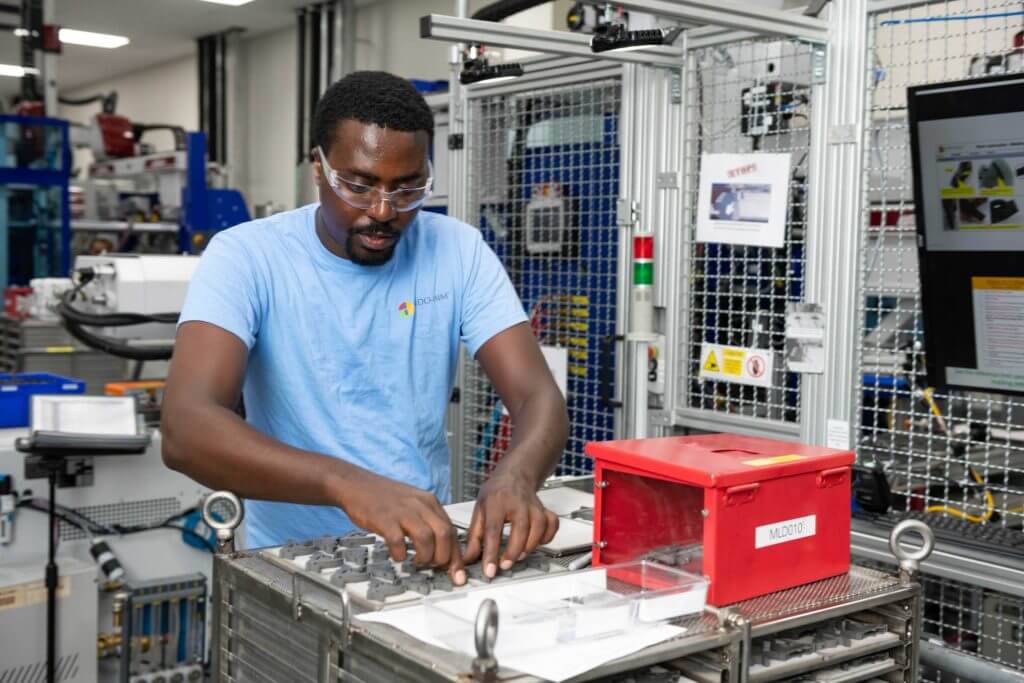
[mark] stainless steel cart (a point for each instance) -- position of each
(272, 622)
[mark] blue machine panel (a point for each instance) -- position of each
(563, 157)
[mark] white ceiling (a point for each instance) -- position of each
(159, 30)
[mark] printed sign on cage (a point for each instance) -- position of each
(738, 365)
(743, 199)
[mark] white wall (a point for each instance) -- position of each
(168, 93)
(272, 92)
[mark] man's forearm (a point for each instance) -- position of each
(217, 448)
(539, 437)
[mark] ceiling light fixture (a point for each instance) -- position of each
(232, 3)
(90, 39)
(476, 68)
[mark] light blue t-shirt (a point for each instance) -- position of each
(356, 362)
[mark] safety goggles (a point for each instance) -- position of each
(360, 196)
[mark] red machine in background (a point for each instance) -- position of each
(108, 135)
(752, 515)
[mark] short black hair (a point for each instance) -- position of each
(374, 97)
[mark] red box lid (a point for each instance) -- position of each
(717, 460)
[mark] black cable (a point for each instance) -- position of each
(69, 312)
(74, 320)
(118, 348)
(134, 528)
(98, 529)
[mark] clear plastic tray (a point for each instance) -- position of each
(596, 603)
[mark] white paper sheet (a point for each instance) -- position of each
(743, 199)
(564, 500)
(572, 535)
(533, 651)
(561, 500)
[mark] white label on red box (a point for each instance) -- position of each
(784, 532)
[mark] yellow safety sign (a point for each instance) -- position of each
(711, 364)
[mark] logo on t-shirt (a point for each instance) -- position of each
(406, 309)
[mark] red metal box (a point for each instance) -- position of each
(769, 514)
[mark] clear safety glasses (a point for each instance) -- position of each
(360, 196)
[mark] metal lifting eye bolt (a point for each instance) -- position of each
(909, 560)
(224, 528)
(485, 666)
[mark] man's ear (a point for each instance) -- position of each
(318, 169)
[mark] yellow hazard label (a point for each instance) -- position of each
(774, 460)
(1011, 283)
(732, 361)
(734, 364)
(711, 363)
(60, 349)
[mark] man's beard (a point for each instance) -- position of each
(371, 257)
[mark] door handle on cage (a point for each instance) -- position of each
(604, 370)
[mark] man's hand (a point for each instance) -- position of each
(394, 511)
(507, 497)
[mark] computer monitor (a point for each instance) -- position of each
(967, 150)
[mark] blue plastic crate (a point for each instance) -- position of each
(16, 393)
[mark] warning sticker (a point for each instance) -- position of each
(711, 363)
(773, 460)
(732, 361)
(738, 365)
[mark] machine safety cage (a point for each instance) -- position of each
(563, 167)
(542, 171)
(951, 454)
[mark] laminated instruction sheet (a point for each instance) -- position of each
(998, 335)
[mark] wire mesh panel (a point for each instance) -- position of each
(751, 96)
(958, 453)
(543, 183)
(953, 453)
(985, 623)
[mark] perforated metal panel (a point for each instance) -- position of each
(859, 582)
(737, 295)
(127, 514)
(961, 453)
(543, 182)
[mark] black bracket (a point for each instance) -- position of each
(604, 370)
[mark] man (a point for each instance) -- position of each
(340, 324)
